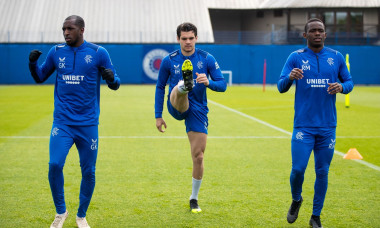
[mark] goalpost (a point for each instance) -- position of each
(229, 73)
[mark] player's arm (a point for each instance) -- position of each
(163, 76)
(107, 70)
(217, 82)
(346, 85)
(41, 73)
(289, 73)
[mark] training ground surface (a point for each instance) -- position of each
(143, 177)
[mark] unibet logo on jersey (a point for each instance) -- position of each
(317, 82)
(72, 79)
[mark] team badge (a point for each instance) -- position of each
(54, 132)
(299, 135)
(88, 59)
(200, 64)
(330, 61)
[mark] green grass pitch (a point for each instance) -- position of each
(143, 177)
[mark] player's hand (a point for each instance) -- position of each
(34, 55)
(202, 78)
(296, 74)
(107, 74)
(159, 123)
(334, 88)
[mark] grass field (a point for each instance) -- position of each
(143, 177)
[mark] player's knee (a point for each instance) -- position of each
(53, 167)
(198, 158)
(88, 173)
(298, 171)
(321, 173)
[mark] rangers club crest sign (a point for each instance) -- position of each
(152, 62)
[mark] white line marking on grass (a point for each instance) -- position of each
(184, 137)
(156, 137)
(24, 137)
(286, 132)
(250, 117)
(209, 137)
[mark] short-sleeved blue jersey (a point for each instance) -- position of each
(313, 106)
(170, 70)
(77, 86)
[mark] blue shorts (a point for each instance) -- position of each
(63, 137)
(315, 138)
(195, 120)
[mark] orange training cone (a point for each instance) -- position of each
(352, 153)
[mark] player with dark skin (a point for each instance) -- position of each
(312, 69)
(315, 37)
(72, 33)
(79, 66)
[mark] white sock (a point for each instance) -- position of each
(181, 87)
(196, 187)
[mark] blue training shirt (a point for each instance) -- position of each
(77, 85)
(171, 70)
(313, 106)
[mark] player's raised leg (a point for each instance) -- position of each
(179, 95)
(198, 146)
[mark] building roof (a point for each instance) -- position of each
(131, 21)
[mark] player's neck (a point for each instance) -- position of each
(187, 53)
(316, 49)
(78, 44)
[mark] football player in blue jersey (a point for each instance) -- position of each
(80, 65)
(319, 74)
(187, 71)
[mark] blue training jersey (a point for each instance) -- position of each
(77, 85)
(313, 106)
(171, 70)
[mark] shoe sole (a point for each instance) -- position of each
(196, 211)
(187, 74)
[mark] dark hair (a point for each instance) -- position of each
(313, 20)
(78, 20)
(186, 27)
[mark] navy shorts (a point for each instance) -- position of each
(195, 120)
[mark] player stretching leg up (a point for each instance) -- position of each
(186, 99)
